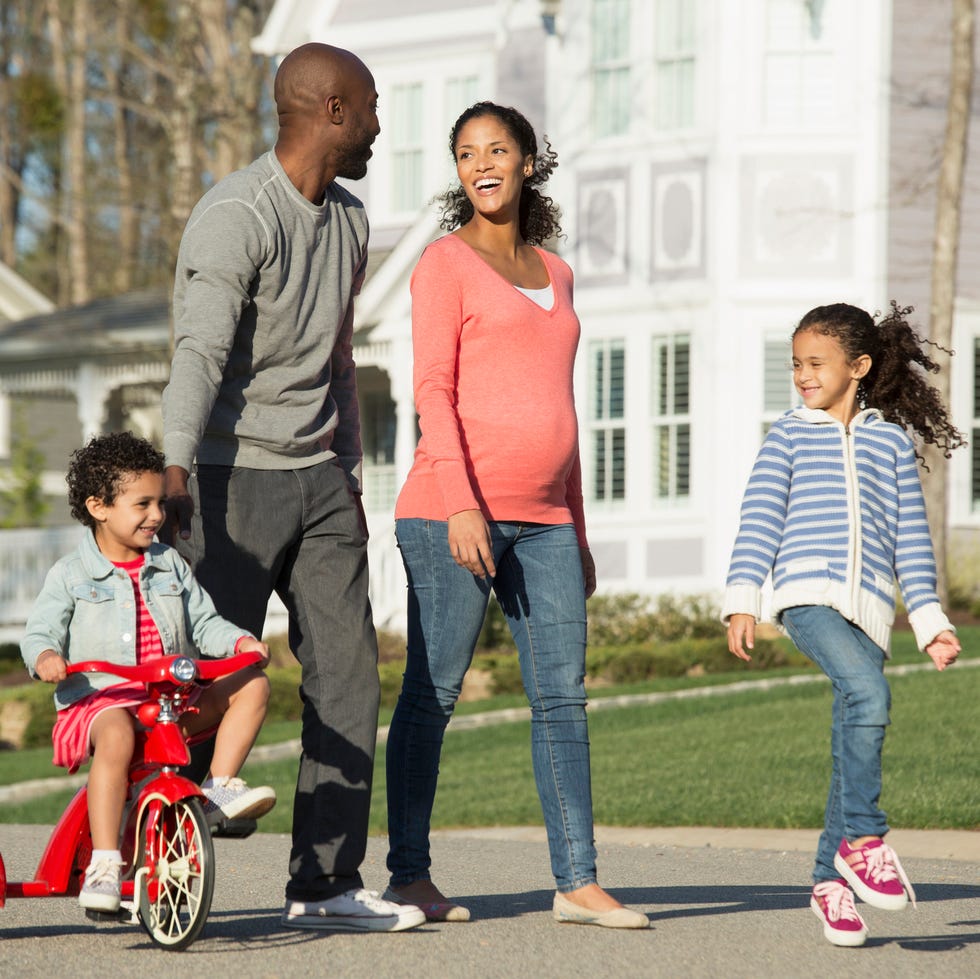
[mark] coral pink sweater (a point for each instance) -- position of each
(493, 389)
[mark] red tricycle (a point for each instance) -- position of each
(166, 841)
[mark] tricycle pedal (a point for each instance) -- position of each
(236, 829)
(125, 914)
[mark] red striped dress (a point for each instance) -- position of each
(72, 747)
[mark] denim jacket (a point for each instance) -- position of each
(87, 610)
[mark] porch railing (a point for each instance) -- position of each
(27, 555)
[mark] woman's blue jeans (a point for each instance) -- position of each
(540, 589)
(855, 666)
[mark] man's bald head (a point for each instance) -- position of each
(328, 116)
(313, 72)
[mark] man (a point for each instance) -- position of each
(262, 395)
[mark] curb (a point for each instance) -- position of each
(925, 844)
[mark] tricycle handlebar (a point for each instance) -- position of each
(158, 670)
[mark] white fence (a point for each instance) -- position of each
(26, 556)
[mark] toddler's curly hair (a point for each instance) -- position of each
(101, 466)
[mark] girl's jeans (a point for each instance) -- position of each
(540, 589)
(862, 699)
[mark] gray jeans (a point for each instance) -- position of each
(299, 533)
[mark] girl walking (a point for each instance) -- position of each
(834, 511)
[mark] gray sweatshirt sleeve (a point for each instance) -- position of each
(221, 251)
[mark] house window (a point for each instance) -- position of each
(778, 391)
(800, 77)
(675, 56)
(610, 67)
(671, 409)
(461, 93)
(407, 147)
(607, 366)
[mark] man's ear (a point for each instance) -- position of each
(97, 508)
(335, 109)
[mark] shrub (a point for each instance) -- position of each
(9, 651)
(40, 700)
(505, 672)
(10, 660)
(620, 620)
(390, 674)
(685, 658)
(391, 646)
(285, 703)
(495, 633)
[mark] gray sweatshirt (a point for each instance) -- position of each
(263, 371)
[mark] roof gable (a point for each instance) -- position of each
(18, 298)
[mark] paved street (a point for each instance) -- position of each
(720, 906)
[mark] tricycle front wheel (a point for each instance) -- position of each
(175, 872)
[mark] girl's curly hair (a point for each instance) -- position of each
(539, 215)
(896, 383)
(101, 466)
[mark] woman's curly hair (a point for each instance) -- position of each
(896, 383)
(539, 215)
(101, 466)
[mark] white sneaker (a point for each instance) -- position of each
(231, 798)
(100, 889)
(356, 909)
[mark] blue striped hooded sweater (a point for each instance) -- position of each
(835, 513)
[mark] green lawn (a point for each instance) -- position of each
(748, 759)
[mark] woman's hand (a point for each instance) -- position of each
(741, 634)
(50, 667)
(470, 544)
(944, 649)
(588, 571)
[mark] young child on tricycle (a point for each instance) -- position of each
(125, 598)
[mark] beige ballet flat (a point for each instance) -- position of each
(566, 911)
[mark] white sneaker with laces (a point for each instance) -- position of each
(100, 889)
(358, 910)
(232, 798)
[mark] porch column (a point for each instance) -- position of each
(401, 394)
(91, 396)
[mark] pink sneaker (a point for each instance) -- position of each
(876, 875)
(833, 903)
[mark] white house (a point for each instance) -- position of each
(724, 165)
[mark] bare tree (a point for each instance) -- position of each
(147, 103)
(945, 252)
(116, 66)
(12, 149)
(226, 57)
(29, 113)
(68, 26)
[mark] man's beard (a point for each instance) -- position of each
(353, 163)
